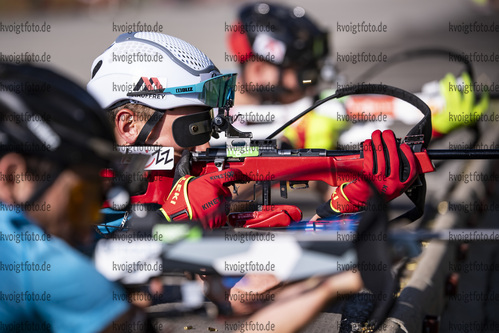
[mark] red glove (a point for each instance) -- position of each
(272, 216)
(202, 198)
(391, 169)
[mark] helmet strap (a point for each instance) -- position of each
(148, 127)
(272, 97)
(40, 190)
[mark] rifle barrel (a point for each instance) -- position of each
(441, 154)
(463, 154)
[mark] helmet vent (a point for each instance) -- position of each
(134, 47)
(96, 68)
(184, 52)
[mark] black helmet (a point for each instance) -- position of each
(44, 114)
(47, 116)
(280, 35)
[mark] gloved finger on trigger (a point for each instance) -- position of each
(224, 193)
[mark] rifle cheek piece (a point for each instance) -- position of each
(192, 130)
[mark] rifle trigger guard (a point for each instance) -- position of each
(219, 163)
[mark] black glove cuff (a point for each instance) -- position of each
(325, 210)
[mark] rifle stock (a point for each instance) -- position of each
(332, 167)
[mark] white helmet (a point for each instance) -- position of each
(161, 72)
(140, 61)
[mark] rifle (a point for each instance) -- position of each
(261, 161)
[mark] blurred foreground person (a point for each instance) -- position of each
(54, 140)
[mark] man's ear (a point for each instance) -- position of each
(12, 188)
(127, 127)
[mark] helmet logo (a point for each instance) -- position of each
(265, 44)
(160, 158)
(148, 84)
